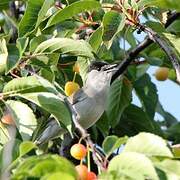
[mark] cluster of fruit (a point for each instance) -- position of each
(79, 152)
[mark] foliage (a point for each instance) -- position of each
(40, 41)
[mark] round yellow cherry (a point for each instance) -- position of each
(78, 151)
(71, 87)
(161, 73)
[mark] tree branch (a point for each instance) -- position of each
(140, 47)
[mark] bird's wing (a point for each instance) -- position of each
(77, 96)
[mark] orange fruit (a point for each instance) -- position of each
(71, 87)
(78, 151)
(91, 176)
(161, 73)
(82, 171)
(7, 119)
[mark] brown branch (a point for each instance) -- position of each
(139, 48)
(172, 17)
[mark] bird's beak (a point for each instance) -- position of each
(110, 68)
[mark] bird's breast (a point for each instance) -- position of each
(90, 110)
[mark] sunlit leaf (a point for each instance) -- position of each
(24, 118)
(71, 10)
(65, 45)
(28, 84)
(43, 166)
(52, 104)
(133, 165)
(26, 147)
(148, 144)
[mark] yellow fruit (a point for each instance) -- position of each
(7, 119)
(76, 68)
(78, 151)
(161, 73)
(71, 87)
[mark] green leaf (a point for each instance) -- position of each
(3, 55)
(103, 124)
(65, 45)
(83, 66)
(108, 1)
(156, 26)
(166, 4)
(133, 166)
(112, 175)
(26, 147)
(28, 22)
(147, 93)
(23, 117)
(135, 120)
(130, 37)
(176, 150)
(120, 96)
(111, 143)
(174, 40)
(27, 85)
(168, 118)
(22, 44)
(171, 167)
(13, 57)
(174, 27)
(108, 142)
(43, 166)
(95, 39)
(36, 41)
(52, 104)
(173, 132)
(4, 4)
(148, 144)
(71, 10)
(42, 13)
(113, 22)
(58, 175)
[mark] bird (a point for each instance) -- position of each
(89, 102)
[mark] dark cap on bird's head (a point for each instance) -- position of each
(101, 65)
(97, 65)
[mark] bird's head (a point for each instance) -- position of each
(100, 73)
